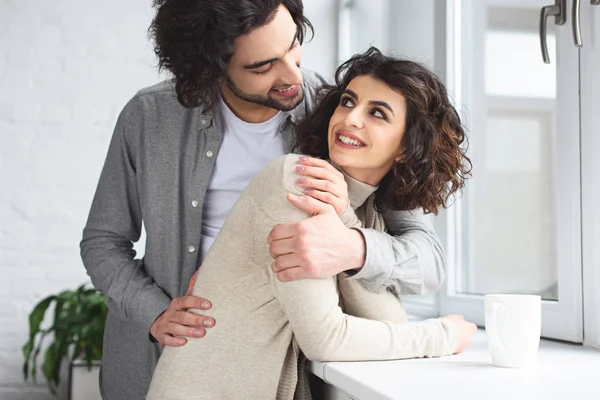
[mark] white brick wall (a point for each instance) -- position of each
(67, 67)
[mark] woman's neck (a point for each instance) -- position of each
(358, 190)
(372, 178)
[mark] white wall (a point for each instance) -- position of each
(320, 54)
(66, 69)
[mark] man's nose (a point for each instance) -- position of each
(291, 75)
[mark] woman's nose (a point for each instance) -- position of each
(354, 118)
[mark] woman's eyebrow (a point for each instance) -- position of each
(351, 93)
(382, 104)
(372, 102)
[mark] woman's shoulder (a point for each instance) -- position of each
(277, 176)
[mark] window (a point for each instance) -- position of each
(527, 221)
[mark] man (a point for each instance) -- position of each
(181, 154)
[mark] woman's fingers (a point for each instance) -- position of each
(322, 185)
(310, 205)
(328, 198)
(321, 173)
(317, 162)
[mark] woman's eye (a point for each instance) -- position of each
(346, 102)
(378, 114)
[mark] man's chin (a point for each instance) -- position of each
(287, 104)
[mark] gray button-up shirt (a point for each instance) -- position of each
(156, 172)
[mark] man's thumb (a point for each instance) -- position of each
(192, 283)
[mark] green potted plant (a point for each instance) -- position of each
(75, 333)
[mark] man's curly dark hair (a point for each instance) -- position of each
(194, 40)
(432, 164)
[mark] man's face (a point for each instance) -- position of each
(265, 66)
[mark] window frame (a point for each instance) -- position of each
(590, 145)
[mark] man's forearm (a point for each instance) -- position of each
(131, 294)
(409, 260)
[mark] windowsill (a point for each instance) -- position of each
(562, 371)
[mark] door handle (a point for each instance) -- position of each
(558, 10)
(577, 21)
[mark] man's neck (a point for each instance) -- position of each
(246, 111)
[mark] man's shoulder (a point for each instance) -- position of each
(161, 94)
(166, 86)
(158, 102)
(312, 80)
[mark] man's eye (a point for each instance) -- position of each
(264, 71)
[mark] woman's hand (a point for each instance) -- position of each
(320, 180)
(466, 330)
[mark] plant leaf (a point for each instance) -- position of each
(34, 364)
(37, 316)
(35, 321)
(78, 330)
(47, 367)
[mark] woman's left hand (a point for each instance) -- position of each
(320, 180)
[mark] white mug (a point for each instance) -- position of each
(513, 324)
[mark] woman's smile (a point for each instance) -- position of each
(348, 140)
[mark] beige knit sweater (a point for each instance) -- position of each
(252, 351)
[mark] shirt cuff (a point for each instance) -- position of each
(452, 334)
(378, 266)
(148, 306)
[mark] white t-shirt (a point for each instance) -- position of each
(245, 150)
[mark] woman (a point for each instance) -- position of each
(389, 128)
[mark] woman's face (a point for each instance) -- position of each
(366, 129)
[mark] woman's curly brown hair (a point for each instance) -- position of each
(432, 164)
(194, 40)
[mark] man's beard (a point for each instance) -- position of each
(289, 105)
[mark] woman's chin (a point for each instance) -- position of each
(339, 159)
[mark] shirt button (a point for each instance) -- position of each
(209, 154)
(191, 249)
(195, 203)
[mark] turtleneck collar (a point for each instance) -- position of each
(358, 192)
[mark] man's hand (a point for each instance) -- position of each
(322, 181)
(177, 321)
(317, 247)
(466, 330)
